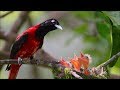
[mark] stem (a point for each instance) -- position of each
(110, 60)
(6, 14)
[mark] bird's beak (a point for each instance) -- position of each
(59, 27)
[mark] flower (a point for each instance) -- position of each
(78, 63)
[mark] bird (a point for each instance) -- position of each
(29, 42)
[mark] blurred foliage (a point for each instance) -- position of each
(84, 15)
(87, 31)
(114, 16)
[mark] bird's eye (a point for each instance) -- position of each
(53, 21)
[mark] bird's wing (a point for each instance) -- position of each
(16, 47)
(18, 44)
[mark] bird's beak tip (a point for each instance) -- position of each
(59, 27)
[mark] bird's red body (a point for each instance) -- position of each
(31, 45)
(29, 42)
(27, 50)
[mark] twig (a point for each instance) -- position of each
(112, 76)
(24, 61)
(109, 61)
(76, 75)
(6, 14)
(44, 59)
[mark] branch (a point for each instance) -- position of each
(109, 61)
(46, 60)
(2, 16)
(52, 64)
(101, 69)
(43, 58)
(27, 61)
(114, 76)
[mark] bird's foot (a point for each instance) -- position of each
(19, 60)
(31, 58)
(37, 62)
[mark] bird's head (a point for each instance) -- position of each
(51, 24)
(47, 26)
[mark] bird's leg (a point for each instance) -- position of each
(31, 57)
(33, 60)
(19, 60)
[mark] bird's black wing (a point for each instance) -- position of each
(16, 47)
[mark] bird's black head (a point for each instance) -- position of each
(47, 26)
(51, 24)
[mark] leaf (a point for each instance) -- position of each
(115, 43)
(115, 18)
(103, 25)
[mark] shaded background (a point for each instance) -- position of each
(84, 31)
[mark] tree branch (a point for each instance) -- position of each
(2, 16)
(109, 61)
(26, 61)
(49, 61)
(46, 60)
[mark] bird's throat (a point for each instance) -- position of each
(41, 32)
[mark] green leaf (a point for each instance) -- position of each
(114, 16)
(115, 43)
(104, 26)
(103, 29)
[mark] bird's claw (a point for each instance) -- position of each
(37, 62)
(19, 60)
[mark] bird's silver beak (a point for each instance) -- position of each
(59, 27)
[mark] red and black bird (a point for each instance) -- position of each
(27, 43)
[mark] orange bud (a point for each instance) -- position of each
(76, 64)
(64, 63)
(84, 60)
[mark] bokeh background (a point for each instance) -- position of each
(83, 31)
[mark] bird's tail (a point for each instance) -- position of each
(13, 71)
